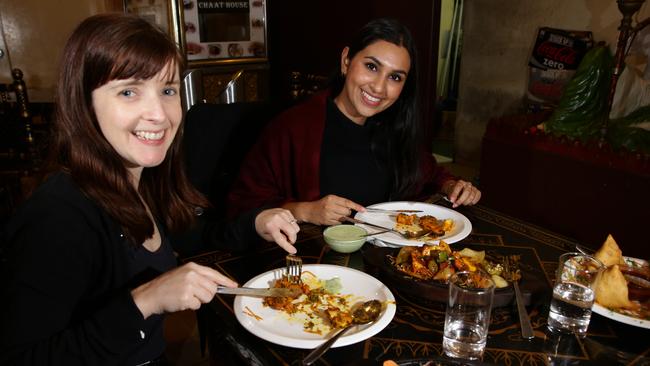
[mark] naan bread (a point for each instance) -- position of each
(611, 289)
(610, 254)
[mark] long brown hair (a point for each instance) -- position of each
(109, 47)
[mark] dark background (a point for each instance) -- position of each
(308, 36)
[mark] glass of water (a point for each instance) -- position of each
(573, 293)
(467, 317)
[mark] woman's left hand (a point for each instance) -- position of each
(461, 192)
(279, 225)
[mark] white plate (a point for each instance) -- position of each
(462, 226)
(607, 313)
(278, 328)
(627, 319)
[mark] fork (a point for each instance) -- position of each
(406, 234)
(294, 269)
(513, 275)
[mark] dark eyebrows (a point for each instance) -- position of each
(380, 64)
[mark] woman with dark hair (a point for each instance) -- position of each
(91, 270)
(356, 144)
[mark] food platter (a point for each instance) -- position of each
(462, 226)
(531, 283)
(623, 316)
(279, 328)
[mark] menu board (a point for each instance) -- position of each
(224, 29)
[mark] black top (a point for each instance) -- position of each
(346, 157)
(144, 266)
(67, 300)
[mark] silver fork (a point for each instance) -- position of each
(294, 269)
(513, 275)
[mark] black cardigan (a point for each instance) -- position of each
(67, 298)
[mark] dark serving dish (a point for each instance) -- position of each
(529, 284)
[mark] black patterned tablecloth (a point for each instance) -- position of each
(415, 334)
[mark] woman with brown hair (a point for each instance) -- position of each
(91, 269)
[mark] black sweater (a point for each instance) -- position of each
(67, 297)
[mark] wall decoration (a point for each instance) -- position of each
(220, 31)
(155, 11)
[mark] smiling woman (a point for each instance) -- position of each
(140, 118)
(92, 244)
(374, 80)
(359, 143)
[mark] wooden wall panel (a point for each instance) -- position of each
(35, 32)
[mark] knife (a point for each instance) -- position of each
(373, 209)
(259, 292)
(357, 221)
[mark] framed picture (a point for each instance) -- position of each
(155, 11)
(220, 31)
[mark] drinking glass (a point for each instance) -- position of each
(467, 317)
(573, 293)
(560, 348)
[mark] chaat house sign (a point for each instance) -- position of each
(224, 29)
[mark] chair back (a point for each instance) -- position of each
(16, 138)
(18, 156)
(216, 139)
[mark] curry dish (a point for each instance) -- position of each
(319, 305)
(416, 223)
(438, 262)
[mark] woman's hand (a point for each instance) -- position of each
(461, 192)
(279, 225)
(185, 287)
(326, 211)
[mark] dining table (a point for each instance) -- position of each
(414, 335)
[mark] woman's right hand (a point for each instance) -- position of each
(185, 287)
(279, 225)
(326, 211)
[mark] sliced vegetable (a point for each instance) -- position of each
(499, 282)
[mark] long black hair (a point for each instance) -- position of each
(398, 127)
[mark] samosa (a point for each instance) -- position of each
(610, 254)
(611, 289)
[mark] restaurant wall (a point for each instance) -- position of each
(34, 33)
(498, 37)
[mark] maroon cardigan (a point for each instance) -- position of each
(284, 165)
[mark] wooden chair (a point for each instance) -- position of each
(17, 141)
(19, 159)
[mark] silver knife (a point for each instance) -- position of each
(372, 209)
(259, 292)
(357, 221)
